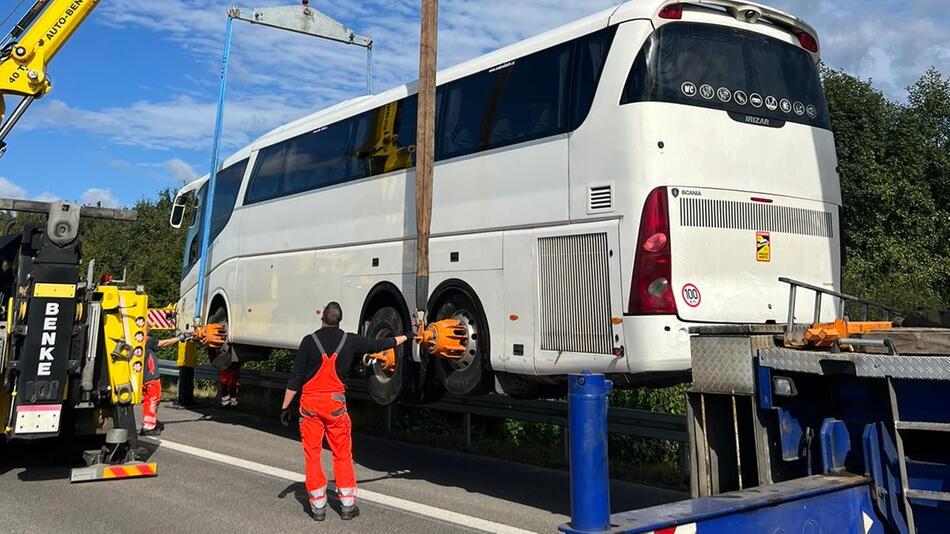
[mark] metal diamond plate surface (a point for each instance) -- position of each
(722, 364)
(866, 365)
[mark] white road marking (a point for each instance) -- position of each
(364, 494)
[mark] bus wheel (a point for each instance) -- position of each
(469, 374)
(387, 387)
(220, 358)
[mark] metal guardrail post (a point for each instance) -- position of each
(590, 478)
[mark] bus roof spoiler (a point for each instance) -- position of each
(752, 12)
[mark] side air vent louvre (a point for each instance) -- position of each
(600, 198)
(574, 276)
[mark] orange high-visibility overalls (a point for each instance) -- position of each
(323, 412)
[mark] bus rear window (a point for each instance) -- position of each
(728, 69)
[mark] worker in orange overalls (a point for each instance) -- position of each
(152, 381)
(316, 376)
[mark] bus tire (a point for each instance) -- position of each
(385, 388)
(223, 356)
(470, 374)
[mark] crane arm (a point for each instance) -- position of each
(23, 71)
(35, 40)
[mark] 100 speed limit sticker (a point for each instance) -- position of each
(691, 295)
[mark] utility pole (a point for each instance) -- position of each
(425, 148)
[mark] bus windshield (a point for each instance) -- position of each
(728, 69)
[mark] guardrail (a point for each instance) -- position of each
(623, 421)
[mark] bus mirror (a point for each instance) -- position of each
(178, 214)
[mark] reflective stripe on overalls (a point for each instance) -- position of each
(323, 413)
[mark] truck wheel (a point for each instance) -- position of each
(387, 387)
(221, 357)
(469, 374)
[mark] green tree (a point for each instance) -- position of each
(895, 170)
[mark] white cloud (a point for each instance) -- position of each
(893, 42)
(95, 196)
(180, 123)
(46, 197)
(181, 170)
(8, 189)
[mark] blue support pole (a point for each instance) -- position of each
(213, 175)
(590, 478)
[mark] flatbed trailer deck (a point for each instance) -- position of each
(786, 437)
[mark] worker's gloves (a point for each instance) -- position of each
(287, 416)
(183, 337)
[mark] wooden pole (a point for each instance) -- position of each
(425, 146)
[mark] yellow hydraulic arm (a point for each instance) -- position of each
(31, 45)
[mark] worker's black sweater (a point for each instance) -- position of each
(309, 359)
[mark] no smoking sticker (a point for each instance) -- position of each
(691, 295)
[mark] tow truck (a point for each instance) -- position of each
(808, 426)
(71, 351)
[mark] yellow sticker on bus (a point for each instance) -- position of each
(763, 247)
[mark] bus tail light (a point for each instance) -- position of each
(808, 42)
(672, 12)
(651, 288)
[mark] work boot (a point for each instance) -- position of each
(349, 512)
(318, 514)
(318, 504)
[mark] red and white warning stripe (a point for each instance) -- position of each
(111, 472)
(679, 529)
(158, 320)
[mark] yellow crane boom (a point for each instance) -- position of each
(33, 43)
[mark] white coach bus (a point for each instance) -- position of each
(598, 189)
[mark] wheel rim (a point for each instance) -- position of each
(379, 371)
(468, 320)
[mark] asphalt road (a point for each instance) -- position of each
(228, 472)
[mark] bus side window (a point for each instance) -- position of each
(265, 180)
(317, 159)
(226, 188)
(589, 59)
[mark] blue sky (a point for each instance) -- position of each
(134, 93)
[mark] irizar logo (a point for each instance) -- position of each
(751, 119)
(48, 340)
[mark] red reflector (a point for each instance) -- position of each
(672, 11)
(807, 41)
(760, 199)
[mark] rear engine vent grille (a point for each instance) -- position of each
(575, 294)
(709, 213)
(600, 198)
